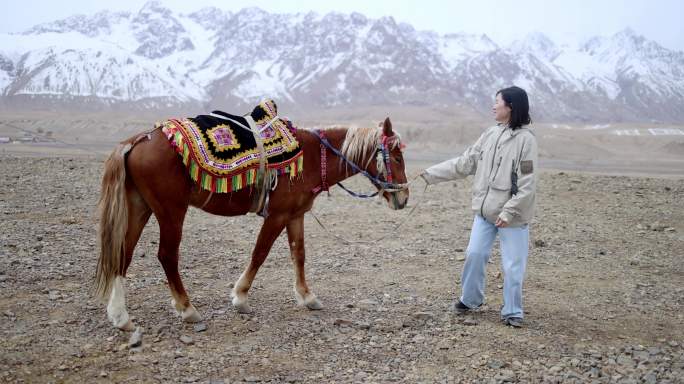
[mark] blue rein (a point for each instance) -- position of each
(373, 179)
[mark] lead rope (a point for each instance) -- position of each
(373, 242)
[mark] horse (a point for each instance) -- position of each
(145, 176)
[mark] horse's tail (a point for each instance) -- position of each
(113, 210)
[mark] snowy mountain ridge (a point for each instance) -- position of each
(156, 58)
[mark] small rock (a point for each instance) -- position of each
(625, 361)
(62, 367)
(505, 376)
(342, 322)
(368, 303)
(159, 329)
(53, 295)
(200, 327)
(252, 379)
(418, 339)
(555, 369)
(650, 378)
(539, 243)
(293, 379)
(496, 364)
(187, 340)
(460, 257)
(673, 344)
(444, 344)
(657, 227)
(103, 374)
(424, 315)
(470, 322)
(654, 351)
(362, 325)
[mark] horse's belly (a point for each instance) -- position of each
(223, 204)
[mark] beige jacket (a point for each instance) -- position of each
(495, 155)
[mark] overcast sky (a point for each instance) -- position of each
(568, 21)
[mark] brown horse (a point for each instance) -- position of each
(145, 176)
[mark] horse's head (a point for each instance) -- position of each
(391, 167)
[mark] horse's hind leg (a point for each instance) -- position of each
(138, 215)
(171, 230)
(295, 237)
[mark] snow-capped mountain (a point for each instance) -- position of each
(156, 58)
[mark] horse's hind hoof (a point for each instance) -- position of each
(314, 305)
(243, 308)
(128, 326)
(190, 315)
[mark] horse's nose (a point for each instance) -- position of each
(400, 199)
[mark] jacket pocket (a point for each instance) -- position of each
(501, 179)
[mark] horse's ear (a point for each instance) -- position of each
(387, 127)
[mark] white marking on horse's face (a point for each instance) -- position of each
(398, 200)
(116, 309)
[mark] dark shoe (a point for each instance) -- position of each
(514, 322)
(459, 308)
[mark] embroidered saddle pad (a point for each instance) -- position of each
(222, 155)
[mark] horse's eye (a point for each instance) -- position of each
(398, 159)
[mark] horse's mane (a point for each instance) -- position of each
(359, 142)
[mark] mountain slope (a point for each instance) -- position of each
(217, 58)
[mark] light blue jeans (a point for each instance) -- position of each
(514, 250)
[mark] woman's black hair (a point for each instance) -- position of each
(516, 99)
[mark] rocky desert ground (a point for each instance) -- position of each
(603, 296)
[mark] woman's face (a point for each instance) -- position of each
(502, 112)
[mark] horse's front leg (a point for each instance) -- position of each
(270, 230)
(295, 237)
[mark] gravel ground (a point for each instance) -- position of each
(603, 296)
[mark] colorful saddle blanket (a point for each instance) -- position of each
(220, 150)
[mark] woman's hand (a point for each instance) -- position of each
(500, 223)
(423, 175)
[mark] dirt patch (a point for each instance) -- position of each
(603, 296)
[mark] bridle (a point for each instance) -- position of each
(382, 152)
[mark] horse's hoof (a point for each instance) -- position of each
(314, 305)
(128, 326)
(190, 315)
(243, 308)
(241, 305)
(120, 319)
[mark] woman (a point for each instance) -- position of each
(504, 162)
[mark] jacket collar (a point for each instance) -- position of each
(513, 132)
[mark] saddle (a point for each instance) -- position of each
(226, 153)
